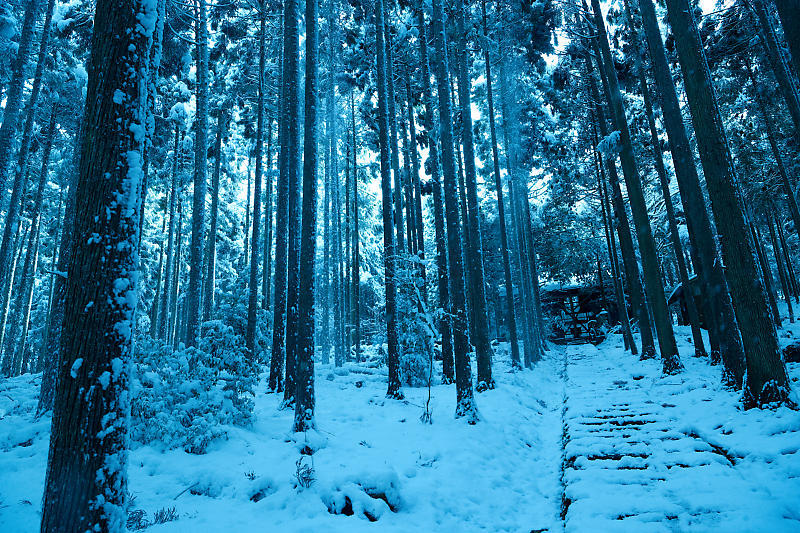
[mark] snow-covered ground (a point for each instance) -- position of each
(499, 475)
(591, 434)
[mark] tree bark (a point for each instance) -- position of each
(789, 13)
(292, 66)
(434, 168)
(663, 179)
(211, 246)
(483, 349)
(86, 481)
(501, 210)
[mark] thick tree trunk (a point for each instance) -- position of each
(292, 140)
(86, 482)
(663, 179)
(766, 381)
(465, 401)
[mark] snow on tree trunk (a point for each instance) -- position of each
(86, 482)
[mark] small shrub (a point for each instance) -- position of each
(186, 397)
(305, 473)
(164, 515)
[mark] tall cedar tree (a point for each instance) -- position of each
(389, 250)
(435, 169)
(465, 401)
(255, 247)
(86, 482)
(304, 398)
(650, 267)
(193, 296)
(766, 380)
(477, 289)
(723, 326)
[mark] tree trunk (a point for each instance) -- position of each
(304, 400)
(483, 349)
(170, 273)
(267, 259)
(465, 402)
(14, 90)
(789, 13)
(511, 322)
(394, 147)
(629, 262)
(658, 157)
(782, 274)
(292, 69)
(255, 259)
(194, 294)
(766, 375)
(434, 168)
(23, 309)
(788, 259)
(775, 58)
(389, 252)
(211, 246)
(325, 285)
(86, 481)
(723, 328)
(279, 311)
(355, 264)
(766, 272)
(650, 268)
(788, 190)
(619, 293)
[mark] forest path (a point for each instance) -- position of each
(646, 452)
